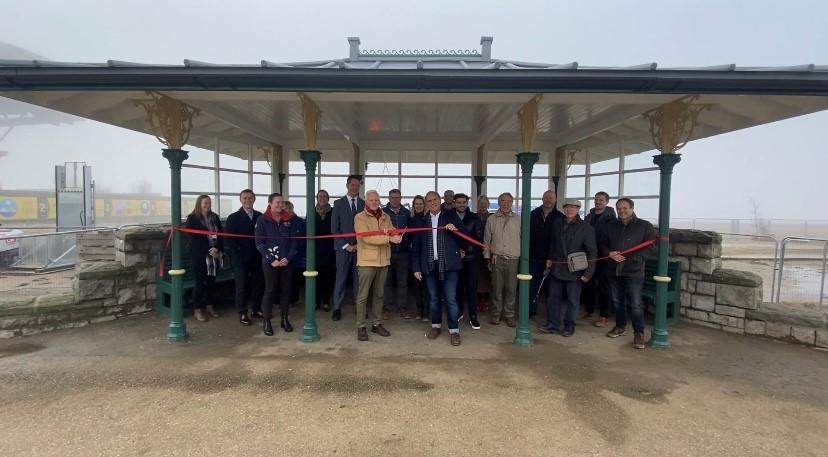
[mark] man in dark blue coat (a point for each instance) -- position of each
(247, 262)
(436, 260)
(398, 273)
(342, 221)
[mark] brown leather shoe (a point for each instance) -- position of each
(404, 313)
(455, 339)
(601, 322)
(380, 330)
(362, 334)
(510, 321)
(433, 333)
(495, 320)
(212, 312)
(200, 315)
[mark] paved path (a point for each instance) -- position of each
(120, 388)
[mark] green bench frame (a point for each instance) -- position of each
(163, 285)
(648, 292)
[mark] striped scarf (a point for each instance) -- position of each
(441, 251)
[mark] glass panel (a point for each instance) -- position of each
(297, 167)
(228, 161)
(416, 186)
(382, 168)
(261, 186)
(642, 183)
(647, 208)
(381, 184)
(605, 166)
(575, 187)
(640, 160)
(381, 162)
(197, 180)
(455, 169)
(540, 170)
(496, 186)
(539, 186)
(418, 163)
(199, 156)
(227, 207)
(336, 168)
(232, 182)
(299, 205)
(575, 163)
(501, 169)
(458, 185)
(261, 165)
(335, 185)
(607, 183)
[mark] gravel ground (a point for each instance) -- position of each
(120, 388)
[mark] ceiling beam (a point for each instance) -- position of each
(338, 120)
(602, 121)
(237, 119)
(498, 122)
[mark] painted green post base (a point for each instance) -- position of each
(177, 328)
(666, 162)
(523, 334)
(310, 332)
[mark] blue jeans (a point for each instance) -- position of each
(557, 290)
(626, 292)
(448, 287)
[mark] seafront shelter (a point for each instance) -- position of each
(421, 120)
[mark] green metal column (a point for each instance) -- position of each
(523, 335)
(178, 329)
(309, 330)
(665, 163)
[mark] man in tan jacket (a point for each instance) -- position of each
(373, 258)
(502, 235)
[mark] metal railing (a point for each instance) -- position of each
(817, 260)
(748, 257)
(48, 251)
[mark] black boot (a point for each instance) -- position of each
(243, 319)
(286, 323)
(267, 327)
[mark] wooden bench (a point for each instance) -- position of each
(648, 292)
(163, 285)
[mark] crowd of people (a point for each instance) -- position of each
(455, 263)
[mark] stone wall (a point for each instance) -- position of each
(105, 287)
(731, 300)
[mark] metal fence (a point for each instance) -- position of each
(755, 253)
(802, 270)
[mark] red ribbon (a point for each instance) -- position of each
(389, 232)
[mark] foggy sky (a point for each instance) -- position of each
(780, 165)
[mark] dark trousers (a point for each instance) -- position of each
(562, 293)
(205, 286)
(421, 297)
(467, 288)
(626, 292)
(448, 286)
(536, 269)
(396, 282)
(249, 284)
(324, 284)
(596, 294)
(345, 264)
(277, 286)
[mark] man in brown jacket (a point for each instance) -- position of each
(373, 258)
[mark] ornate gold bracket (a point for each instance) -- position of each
(528, 118)
(310, 116)
(672, 124)
(571, 156)
(170, 120)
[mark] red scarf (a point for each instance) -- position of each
(284, 216)
(377, 213)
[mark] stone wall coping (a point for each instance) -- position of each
(694, 236)
(103, 269)
(779, 313)
(733, 278)
(142, 233)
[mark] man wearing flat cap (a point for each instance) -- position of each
(572, 254)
